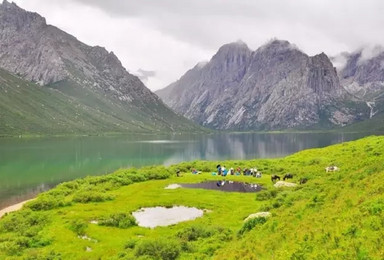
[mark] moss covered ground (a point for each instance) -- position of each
(335, 215)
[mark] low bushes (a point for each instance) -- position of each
(195, 232)
(266, 194)
(78, 226)
(26, 227)
(47, 202)
(120, 220)
(251, 224)
(158, 249)
(91, 196)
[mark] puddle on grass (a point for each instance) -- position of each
(228, 186)
(161, 216)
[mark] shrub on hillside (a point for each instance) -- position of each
(266, 195)
(91, 196)
(195, 232)
(78, 226)
(26, 226)
(23, 222)
(157, 175)
(159, 249)
(47, 202)
(71, 185)
(251, 224)
(52, 255)
(130, 244)
(11, 248)
(120, 220)
(135, 177)
(60, 190)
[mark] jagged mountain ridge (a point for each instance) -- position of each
(363, 77)
(91, 76)
(275, 87)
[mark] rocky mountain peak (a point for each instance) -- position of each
(44, 54)
(322, 60)
(231, 50)
(229, 63)
(8, 5)
(12, 16)
(276, 46)
(277, 86)
(322, 76)
(92, 77)
(364, 66)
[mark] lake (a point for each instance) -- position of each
(30, 166)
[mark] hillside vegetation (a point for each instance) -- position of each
(86, 89)
(67, 108)
(335, 215)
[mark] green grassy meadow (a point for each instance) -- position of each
(335, 215)
(66, 108)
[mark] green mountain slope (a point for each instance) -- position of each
(374, 124)
(66, 108)
(101, 95)
(335, 215)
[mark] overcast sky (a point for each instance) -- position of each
(162, 39)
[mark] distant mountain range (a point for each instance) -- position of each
(278, 87)
(52, 83)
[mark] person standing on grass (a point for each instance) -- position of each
(219, 169)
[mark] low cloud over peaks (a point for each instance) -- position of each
(144, 75)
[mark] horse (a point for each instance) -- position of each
(288, 176)
(275, 177)
(331, 168)
(303, 180)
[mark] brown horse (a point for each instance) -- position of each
(275, 177)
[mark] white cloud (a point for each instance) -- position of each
(171, 36)
(370, 51)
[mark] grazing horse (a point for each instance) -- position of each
(303, 180)
(275, 177)
(288, 176)
(331, 168)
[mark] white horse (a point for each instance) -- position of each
(331, 168)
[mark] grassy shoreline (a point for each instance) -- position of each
(335, 215)
(208, 132)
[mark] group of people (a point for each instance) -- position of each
(221, 170)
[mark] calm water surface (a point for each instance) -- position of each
(30, 166)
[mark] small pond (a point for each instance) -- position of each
(229, 186)
(161, 216)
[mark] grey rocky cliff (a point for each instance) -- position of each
(275, 87)
(25, 48)
(49, 56)
(363, 77)
(364, 73)
(44, 54)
